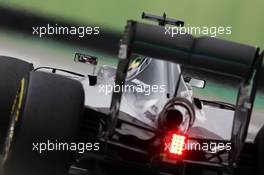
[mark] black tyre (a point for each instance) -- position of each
(259, 141)
(12, 71)
(47, 109)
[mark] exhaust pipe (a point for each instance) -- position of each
(177, 115)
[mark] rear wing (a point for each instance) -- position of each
(210, 57)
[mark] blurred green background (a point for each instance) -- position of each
(244, 16)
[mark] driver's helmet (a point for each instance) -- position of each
(137, 65)
(106, 73)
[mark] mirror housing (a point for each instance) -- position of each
(87, 59)
(195, 82)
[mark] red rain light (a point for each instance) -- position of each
(174, 144)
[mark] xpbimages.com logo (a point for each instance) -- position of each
(136, 86)
(212, 31)
(79, 31)
(211, 147)
(49, 145)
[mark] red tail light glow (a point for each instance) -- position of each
(174, 145)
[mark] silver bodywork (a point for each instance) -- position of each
(210, 122)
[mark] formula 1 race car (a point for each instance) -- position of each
(138, 118)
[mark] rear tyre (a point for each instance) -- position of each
(12, 71)
(46, 112)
